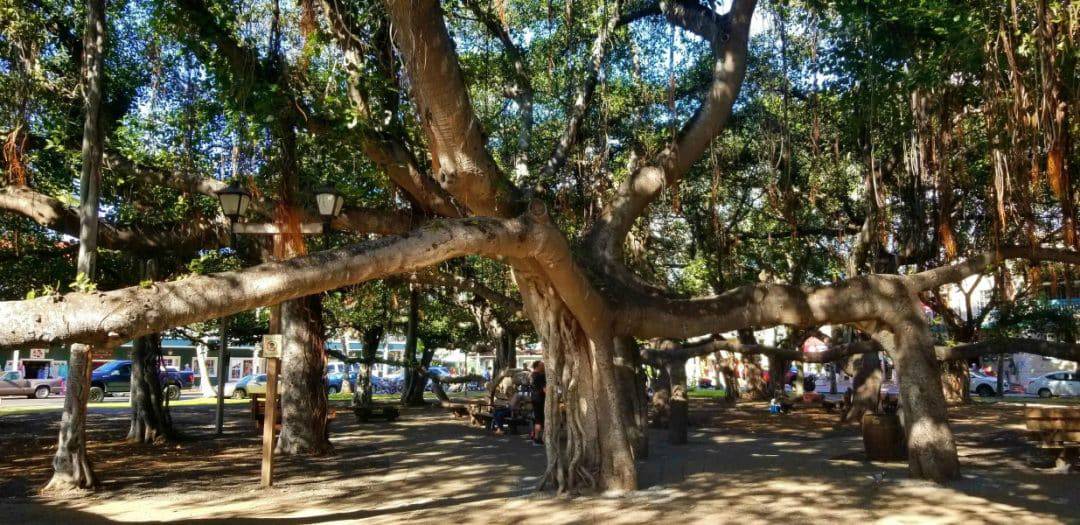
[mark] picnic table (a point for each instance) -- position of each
(1055, 429)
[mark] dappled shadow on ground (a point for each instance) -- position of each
(740, 465)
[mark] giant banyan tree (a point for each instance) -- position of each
(571, 143)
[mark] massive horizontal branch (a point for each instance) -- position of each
(675, 353)
(117, 316)
(55, 215)
(857, 299)
(1005, 345)
(1010, 345)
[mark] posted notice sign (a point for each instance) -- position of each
(271, 346)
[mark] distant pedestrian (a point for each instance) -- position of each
(539, 397)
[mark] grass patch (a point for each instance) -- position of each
(706, 393)
(200, 401)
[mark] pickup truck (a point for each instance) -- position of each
(12, 383)
(114, 377)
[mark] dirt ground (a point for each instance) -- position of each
(741, 465)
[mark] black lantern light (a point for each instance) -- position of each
(234, 201)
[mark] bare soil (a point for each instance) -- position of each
(741, 465)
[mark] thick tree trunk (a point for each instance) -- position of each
(588, 447)
(303, 389)
(362, 396)
(731, 379)
(505, 352)
(865, 388)
(955, 380)
(71, 466)
(931, 446)
(634, 402)
(413, 392)
(150, 418)
(680, 410)
(778, 368)
(661, 399)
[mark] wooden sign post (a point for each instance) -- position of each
(271, 350)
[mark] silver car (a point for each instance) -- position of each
(1055, 384)
(12, 383)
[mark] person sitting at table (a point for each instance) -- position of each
(501, 413)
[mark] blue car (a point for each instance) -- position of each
(333, 382)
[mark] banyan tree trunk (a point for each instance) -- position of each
(661, 399)
(757, 389)
(777, 375)
(865, 388)
(931, 445)
(631, 384)
(585, 435)
(303, 389)
(413, 392)
(71, 466)
(955, 381)
(362, 396)
(414, 395)
(731, 379)
(505, 352)
(680, 410)
(150, 418)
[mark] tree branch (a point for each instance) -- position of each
(645, 184)
(461, 161)
(122, 314)
(584, 95)
(55, 215)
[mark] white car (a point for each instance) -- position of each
(985, 385)
(1055, 384)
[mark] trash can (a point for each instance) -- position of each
(883, 437)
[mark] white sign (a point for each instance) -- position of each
(38, 353)
(271, 346)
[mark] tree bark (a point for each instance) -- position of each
(865, 388)
(955, 382)
(588, 445)
(505, 352)
(303, 392)
(363, 395)
(415, 381)
(150, 418)
(71, 466)
(680, 410)
(632, 396)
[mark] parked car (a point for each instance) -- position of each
(249, 384)
(1055, 384)
(333, 382)
(114, 377)
(13, 383)
(984, 385)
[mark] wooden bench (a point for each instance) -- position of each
(1055, 429)
(365, 414)
(258, 413)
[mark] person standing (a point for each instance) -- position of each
(539, 397)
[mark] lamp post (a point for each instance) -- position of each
(234, 203)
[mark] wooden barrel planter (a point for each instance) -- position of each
(883, 437)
